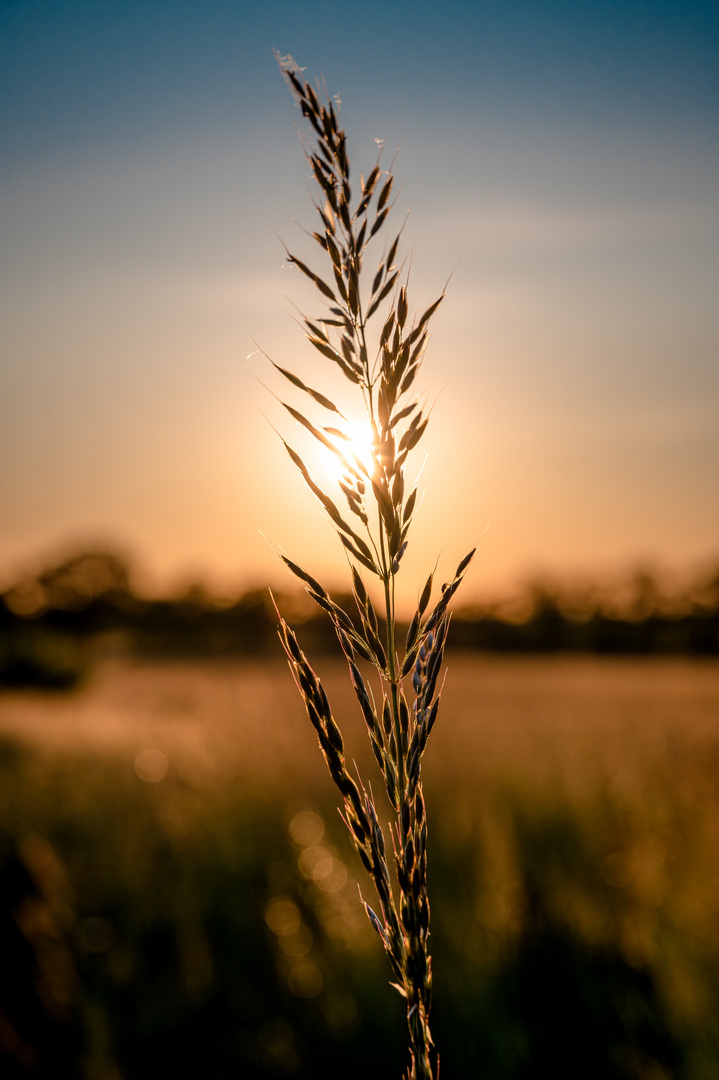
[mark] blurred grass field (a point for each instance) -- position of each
(178, 897)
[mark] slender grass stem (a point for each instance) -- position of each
(398, 734)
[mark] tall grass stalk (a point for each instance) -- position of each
(382, 364)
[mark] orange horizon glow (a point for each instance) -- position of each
(572, 367)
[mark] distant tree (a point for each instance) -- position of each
(91, 575)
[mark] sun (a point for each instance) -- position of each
(355, 445)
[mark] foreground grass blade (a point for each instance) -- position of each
(383, 369)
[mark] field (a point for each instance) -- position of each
(178, 897)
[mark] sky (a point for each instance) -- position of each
(560, 165)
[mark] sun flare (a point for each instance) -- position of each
(355, 445)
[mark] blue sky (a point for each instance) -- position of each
(83, 76)
(561, 160)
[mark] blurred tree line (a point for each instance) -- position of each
(54, 622)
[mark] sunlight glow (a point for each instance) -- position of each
(357, 445)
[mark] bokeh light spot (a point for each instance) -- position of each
(297, 943)
(307, 828)
(151, 765)
(310, 858)
(305, 980)
(330, 875)
(282, 916)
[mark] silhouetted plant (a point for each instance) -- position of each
(374, 529)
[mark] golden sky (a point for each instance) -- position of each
(564, 176)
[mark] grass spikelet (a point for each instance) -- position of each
(382, 363)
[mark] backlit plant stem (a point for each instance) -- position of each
(398, 731)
